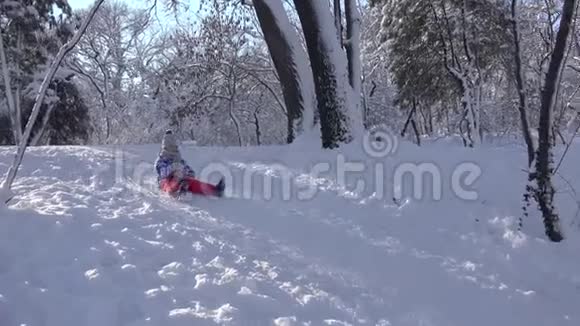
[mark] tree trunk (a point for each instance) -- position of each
(430, 117)
(18, 93)
(232, 105)
(42, 129)
(417, 136)
(353, 53)
(329, 68)
(409, 118)
(522, 107)
(236, 124)
(468, 117)
(291, 64)
(353, 21)
(338, 19)
(8, 90)
(18, 108)
(258, 131)
(544, 194)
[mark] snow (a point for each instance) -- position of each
(79, 248)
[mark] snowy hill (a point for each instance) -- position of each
(89, 241)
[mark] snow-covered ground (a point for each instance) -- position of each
(89, 241)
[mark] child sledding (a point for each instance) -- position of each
(176, 177)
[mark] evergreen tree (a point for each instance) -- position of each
(31, 34)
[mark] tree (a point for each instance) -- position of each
(338, 106)
(353, 44)
(106, 60)
(446, 49)
(29, 32)
(291, 65)
(66, 121)
(543, 190)
(378, 89)
(521, 87)
(338, 116)
(5, 192)
(215, 79)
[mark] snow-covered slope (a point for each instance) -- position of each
(88, 241)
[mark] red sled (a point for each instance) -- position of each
(175, 187)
